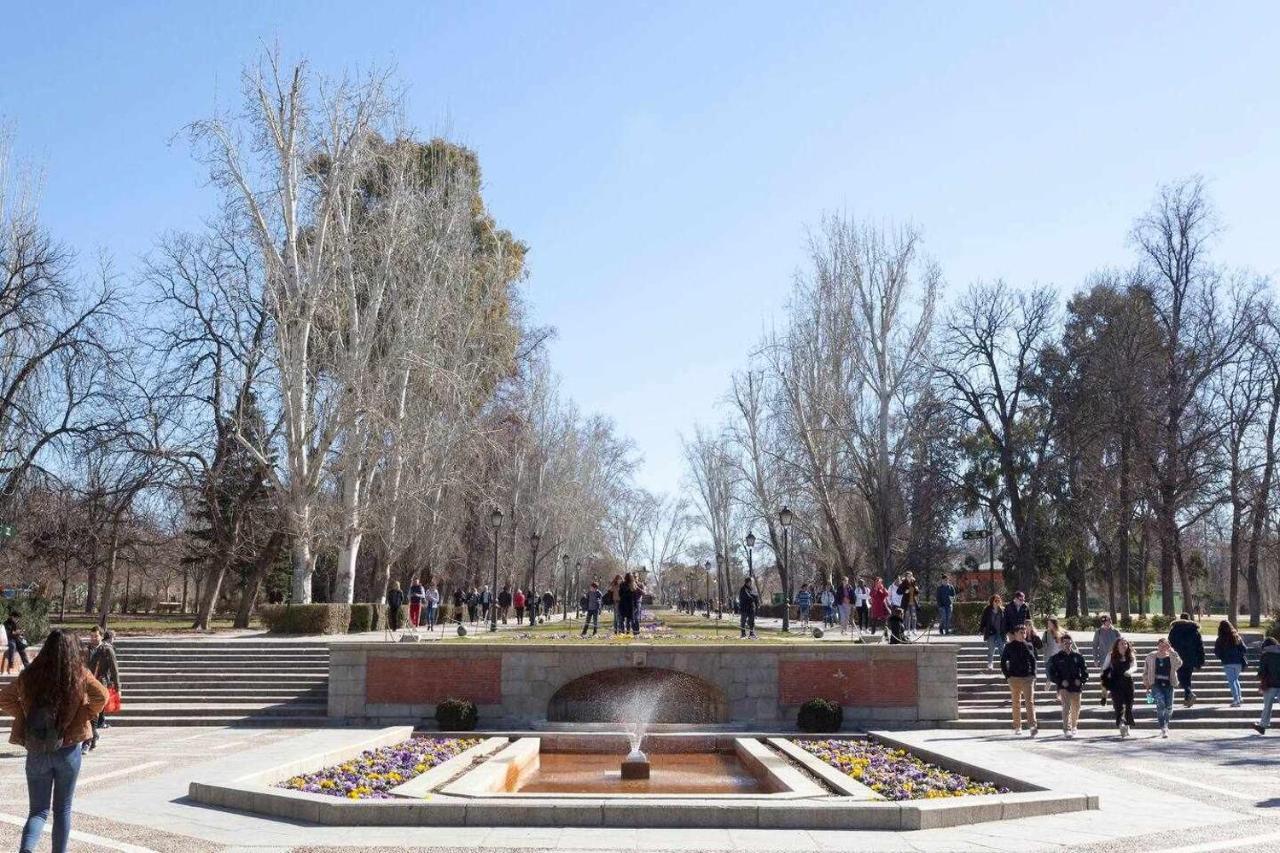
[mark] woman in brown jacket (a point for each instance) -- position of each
(52, 704)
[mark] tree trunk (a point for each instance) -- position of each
(62, 610)
(104, 607)
(303, 568)
(1122, 532)
(1168, 533)
(261, 567)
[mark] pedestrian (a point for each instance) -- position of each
(517, 601)
(1268, 681)
(473, 604)
(1017, 612)
(459, 604)
(945, 597)
(103, 666)
(1117, 680)
(804, 601)
(595, 600)
(991, 626)
(1158, 672)
(828, 601)
(748, 601)
(486, 603)
(862, 604)
(52, 702)
(395, 600)
(910, 594)
(417, 598)
(897, 627)
(1050, 643)
(1103, 639)
(1184, 636)
(504, 603)
(1229, 648)
(879, 604)
(548, 604)
(1068, 673)
(615, 593)
(433, 606)
(17, 645)
(637, 604)
(844, 603)
(1018, 666)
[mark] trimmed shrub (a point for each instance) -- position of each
(372, 617)
(927, 614)
(306, 618)
(820, 715)
(966, 616)
(456, 715)
(1160, 623)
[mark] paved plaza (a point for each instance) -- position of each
(1196, 792)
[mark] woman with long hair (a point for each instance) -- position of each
(1230, 650)
(52, 703)
(1117, 680)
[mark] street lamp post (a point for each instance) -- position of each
(495, 519)
(751, 546)
(785, 517)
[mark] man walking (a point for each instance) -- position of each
(1184, 636)
(595, 599)
(945, 596)
(1018, 665)
(1017, 612)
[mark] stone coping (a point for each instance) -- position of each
(819, 650)
(659, 811)
(841, 782)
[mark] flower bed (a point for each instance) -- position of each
(895, 774)
(375, 772)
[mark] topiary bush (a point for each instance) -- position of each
(361, 619)
(306, 618)
(820, 715)
(457, 715)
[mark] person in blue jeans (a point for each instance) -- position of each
(1229, 648)
(1158, 672)
(52, 703)
(1268, 681)
(945, 596)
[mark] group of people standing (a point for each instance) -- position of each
(427, 610)
(626, 596)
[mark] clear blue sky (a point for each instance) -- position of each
(663, 160)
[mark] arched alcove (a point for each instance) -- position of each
(617, 695)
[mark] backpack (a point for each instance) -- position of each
(43, 735)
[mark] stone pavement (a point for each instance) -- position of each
(1194, 793)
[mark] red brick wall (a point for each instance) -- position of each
(874, 684)
(428, 680)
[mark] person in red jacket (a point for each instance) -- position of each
(517, 601)
(879, 604)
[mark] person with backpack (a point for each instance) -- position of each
(1068, 673)
(1268, 681)
(1184, 636)
(595, 600)
(1117, 680)
(1103, 640)
(1229, 648)
(991, 626)
(53, 703)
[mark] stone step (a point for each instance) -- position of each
(195, 720)
(1145, 728)
(237, 709)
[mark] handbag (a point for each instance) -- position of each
(113, 701)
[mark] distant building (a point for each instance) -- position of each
(978, 580)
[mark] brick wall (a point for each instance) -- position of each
(852, 683)
(411, 681)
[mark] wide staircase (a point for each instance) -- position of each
(221, 682)
(984, 696)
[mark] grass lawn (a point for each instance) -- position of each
(663, 626)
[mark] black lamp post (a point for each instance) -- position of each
(534, 540)
(751, 545)
(495, 519)
(577, 588)
(784, 516)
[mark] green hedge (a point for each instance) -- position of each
(372, 617)
(456, 715)
(306, 618)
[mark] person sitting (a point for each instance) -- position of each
(897, 628)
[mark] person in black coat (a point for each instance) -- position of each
(395, 600)
(897, 628)
(1018, 666)
(1068, 673)
(1184, 636)
(1017, 612)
